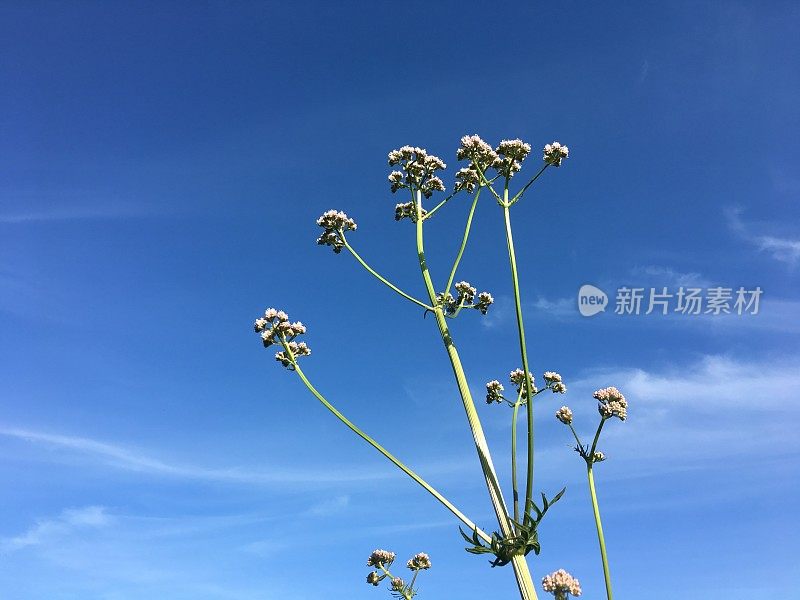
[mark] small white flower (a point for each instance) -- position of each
(564, 414)
(554, 153)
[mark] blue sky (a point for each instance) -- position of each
(162, 168)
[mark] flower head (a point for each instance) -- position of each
(494, 391)
(398, 584)
(417, 170)
(373, 578)
(598, 457)
(275, 328)
(467, 179)
(407, 210)
(517, 377)
(466, 293)
(511, 153)
(419, 562)
(380, 558)
(554, 382)
(554, 153)
(334, 224)
(485, 300)
(481, 154)
(564, 414)
(561, 584)
(611, 403)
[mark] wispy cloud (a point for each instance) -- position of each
(119, 457)
(47, 529)
(30, 207)
(702, 410)
(783, 249)
(329, 506)
(661, 276)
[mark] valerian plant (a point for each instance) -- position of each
(489, 172)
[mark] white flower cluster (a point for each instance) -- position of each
(553, 381)
(380, 558)
(466, 293)
(419, 562)
(494, 391)
(517, 377)
(481, 154)
(407, 210)
(465, 299)
(561, 584)
(611, 403)
(511, 153)
(598, 457)
(554, 153)
(335, 223)
(398, 585)
(417, 170)
(564, 414)
(485, 300)
(467, 179)
(275, 328)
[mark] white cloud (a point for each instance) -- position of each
(35, 211)
(47, 530)
(329, 506)
(709, 410)
(782, 249)
(660, 276)
(118, 457)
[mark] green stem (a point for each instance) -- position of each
(431, 212)
(519, 194)
(600, 537)
(463, 242)
(523, 350)
(597, 436)
(382, 279)
(461, 516)
(524, 582)
(514, 460)
(574, 433)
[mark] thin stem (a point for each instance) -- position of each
(520, 193)
(382, 279)
(430, 213)
(523, 350)
(487, 183)
(413, 581)
(461, 516)
(524, 582)
(597, 436)
(514, 459)
(577, 439)
(463, 242)
(600, 538)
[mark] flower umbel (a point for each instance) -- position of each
(481, 154)
(419, 562)
(564, 414)
(561, 584)
(494, 391)
(517, 377)
(275, 328)
(611, 403)
(334, 223)
(554, 153)
(380, 558)
(511, 153)
(417, 171)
